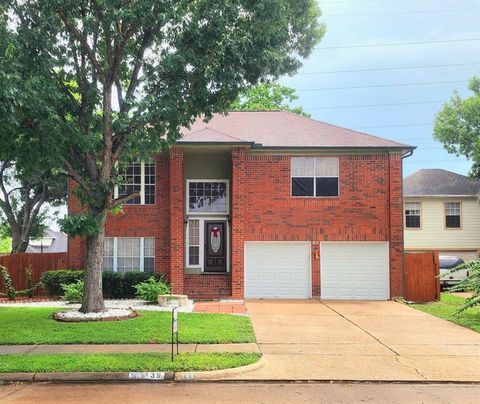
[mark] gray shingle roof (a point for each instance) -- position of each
(279, 129)
(438, 182)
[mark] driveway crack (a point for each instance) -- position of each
(363, 329)
(397, 358)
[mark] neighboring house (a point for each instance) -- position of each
(264, 205)
(442, 213)
(51, 242)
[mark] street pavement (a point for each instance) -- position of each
(239, 393)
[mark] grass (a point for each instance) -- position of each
(146, 362)
(446, 308)
(36, 326)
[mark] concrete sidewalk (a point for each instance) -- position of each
(123, 348)
(369, 341)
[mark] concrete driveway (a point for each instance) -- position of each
(339, 340)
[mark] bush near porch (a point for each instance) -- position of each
(36, 326)
(115, 285)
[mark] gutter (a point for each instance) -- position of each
(405, 155)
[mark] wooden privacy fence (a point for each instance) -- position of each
(16, 264)
(421, 277)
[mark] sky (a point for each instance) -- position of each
(449, 26)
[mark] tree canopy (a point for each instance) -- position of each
(457, 125)
(266, 97)
(30, 130)
(131, 74)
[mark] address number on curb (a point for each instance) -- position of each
(147, 375)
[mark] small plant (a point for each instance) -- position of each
(73, 292)
(7, 280)
(29, 281)
(151, 289)
(471, 284)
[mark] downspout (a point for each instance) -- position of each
(404, 284)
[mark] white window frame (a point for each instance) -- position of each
(142, 253)
(187, 197)
(314, 176)
(201, 253)
(405, 208)
(142, 184)
(459, 215)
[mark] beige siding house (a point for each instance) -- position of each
(442, 212)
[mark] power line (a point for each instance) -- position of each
(397, 43)
(403, 12)
(376, 105)
(393, 126)
(381, 85)
(388, 68)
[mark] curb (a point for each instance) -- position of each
(78, 377)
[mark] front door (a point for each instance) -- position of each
(215, 249)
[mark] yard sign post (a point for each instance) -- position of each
(174, 327)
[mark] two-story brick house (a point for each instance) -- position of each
(264, 205)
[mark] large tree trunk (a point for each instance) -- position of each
(92, 294)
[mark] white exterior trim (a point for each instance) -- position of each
(201, 233)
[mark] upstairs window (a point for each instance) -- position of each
(452, 215)
(412, 215)
(207, 196)
(137, 177)
(315, 176)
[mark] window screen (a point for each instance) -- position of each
(314, 176)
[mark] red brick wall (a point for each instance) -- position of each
(177, 217)
(370, 199)
(137, 221)
(208, 286)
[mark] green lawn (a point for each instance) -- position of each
(447, 306)
(146, 362)
(36, 326)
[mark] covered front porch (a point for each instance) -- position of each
(205, 201)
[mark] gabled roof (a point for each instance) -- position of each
(280, 129)
(438, 182)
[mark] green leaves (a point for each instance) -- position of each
(457, 125)
(267, 97)
(470, 284)
(80, 224)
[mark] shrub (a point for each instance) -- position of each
(112, 284)
(73, 292)
(29, 281)
(7, 280)
(470, 284)
(131, 279)
(150, 289)
(52, 281)
(115, 284)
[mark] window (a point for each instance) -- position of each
(138, 177)
(207, 196)
(452, 215)
(125, 254)
(412, 215)
(314, 176)
(193, 242)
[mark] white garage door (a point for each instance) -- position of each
(277, 270)
(354, 271)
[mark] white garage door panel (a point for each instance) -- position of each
(277, 270)
(355, 271)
